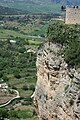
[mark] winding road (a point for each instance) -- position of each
(5, 104)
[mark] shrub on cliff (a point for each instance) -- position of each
(56, 32)
(68, 35)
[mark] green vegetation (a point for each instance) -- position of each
(33, 8)
(18, 115)
(69, 36)
(22, 27)
(17, 66)
(18, 70)
(18, 61)
(10, 11)
(20, 37)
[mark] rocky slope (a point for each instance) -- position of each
(57, 93)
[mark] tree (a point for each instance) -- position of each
(17, 75)
(22, 49)
(13, 114)
(32, 87)
(25, 87)
(5, 78)
(3, 113)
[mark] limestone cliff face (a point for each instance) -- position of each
(57, 93)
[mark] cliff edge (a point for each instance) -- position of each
(57, 93)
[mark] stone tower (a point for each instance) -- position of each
(72, 15)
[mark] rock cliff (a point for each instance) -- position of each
(57, 93)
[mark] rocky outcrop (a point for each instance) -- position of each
(57, 93)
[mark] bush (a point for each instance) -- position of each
(17, 75)
(69, 36)
(32, 87)
(56, 32)
(3, 113)
(25, 87)
(22, 49)
(34, 113)
(13, 87)
(28, 98)
(13, 114)
(5, 78)
(1, 74)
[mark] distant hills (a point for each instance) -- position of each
(43, 1)
(37, 6)
(10, 11)
(32, 6)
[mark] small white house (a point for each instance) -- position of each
(12, 41)
(3, 86)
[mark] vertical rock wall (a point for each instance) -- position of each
(57, 93)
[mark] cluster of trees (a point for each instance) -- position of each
(21, 66)
(12, 114)
(10, 28)
(10, 11)
(31, 87)
(69, 36)
(14, 59)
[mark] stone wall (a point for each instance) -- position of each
(72, 16)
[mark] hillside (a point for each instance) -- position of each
(38, 6)
(32, 6)
(10, 11)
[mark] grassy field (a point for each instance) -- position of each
(34, 8)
